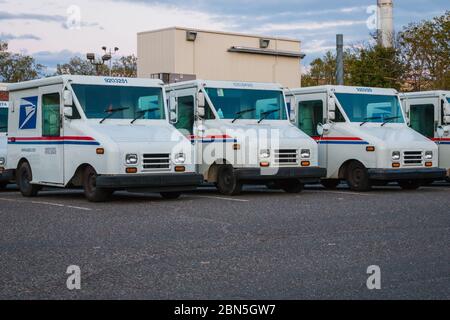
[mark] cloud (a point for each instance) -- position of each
(308, 26)
(8, 37)
(31, 16)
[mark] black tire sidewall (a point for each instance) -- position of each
(358, 177)
(93, 193)
(26, 189)
(227, 182)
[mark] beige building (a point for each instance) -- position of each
(177, 54)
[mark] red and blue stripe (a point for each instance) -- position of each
(340, 140)
(441, 140)
(67, 140)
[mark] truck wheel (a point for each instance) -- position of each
(291, 186)
(410, 184)
(227, 182)
(23, 178)
(358, 177)
(330, 184)
(3, 185)
(170, 195)
(91, 192)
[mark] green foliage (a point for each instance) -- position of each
(17, 67)
(125, 66)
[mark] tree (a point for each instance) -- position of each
(322, 71)
(17, 67)
(425, 50)
(79, 66)
(126, 66)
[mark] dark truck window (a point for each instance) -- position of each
(185, 114)
(422, 119)
(309, 116)
(51, 115)
(3, 119)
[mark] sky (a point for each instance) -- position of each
(52, 31)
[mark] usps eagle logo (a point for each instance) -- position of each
(28, 113)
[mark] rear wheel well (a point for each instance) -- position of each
(214, 170)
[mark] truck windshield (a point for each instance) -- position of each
(3, 119)
(248, 103)
(371, 108)
(97, 100)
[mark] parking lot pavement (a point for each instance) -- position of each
(263, 244)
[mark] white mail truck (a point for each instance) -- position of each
(99, 133)
(242, 135)
(429, 114)
(363, 137)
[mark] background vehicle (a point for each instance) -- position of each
(6, 176)
(242, 134)
(363, 137)
(101, 133)
(429, 114)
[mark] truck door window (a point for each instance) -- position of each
(51, 115)
(309, 116)
(422, 119)
(3, 119)
(185, 114)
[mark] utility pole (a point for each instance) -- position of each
(340, 59)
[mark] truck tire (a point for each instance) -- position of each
(410, 184)
(291, 185)
(170, 195)
(3, 185)
(357, 177)
(330, 184)
(24, 177)
(91, 192)
(227, 182)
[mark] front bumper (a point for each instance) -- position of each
(6, 175)
(430, 174)
(270, 174)
(151, 182)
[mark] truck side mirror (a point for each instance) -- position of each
(331, 115)
(201, 111)
(331, 104)
(173, 110)
(447, 119)
(67, 98)
(201, 101)
(68, 112)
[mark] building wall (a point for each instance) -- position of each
(208, 57)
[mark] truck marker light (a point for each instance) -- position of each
(395, 165)
(264, 164)
(370, 149)
(180, 169)
(236, 146)
(428, 164)
(305, 163)
(100, 151)
(131, 170)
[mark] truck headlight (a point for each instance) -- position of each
(131, 158)
(2, 161)
(305, 153)
(179, 158)
(396, 155)
(264, 153)
(428, 155)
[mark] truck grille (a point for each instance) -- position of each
(286, 157)
(156, 161)
(412, 158)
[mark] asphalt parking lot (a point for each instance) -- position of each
(263, 244)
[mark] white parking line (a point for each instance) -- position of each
(343, 192)
(47, 204)
(220, 198)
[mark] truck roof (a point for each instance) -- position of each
(343, 89)
(99, 80)
(226, 84)
(424, 94)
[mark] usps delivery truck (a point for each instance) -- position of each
(242, 135)
(6, 176)
(429, 114)
(363, 137)
(99, 133)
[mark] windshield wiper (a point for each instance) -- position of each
(264, 114)
(141, 113)
(369, 118)
(111, 112)
(240, 113)
(386, 120)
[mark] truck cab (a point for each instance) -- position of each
(363, 137)
(99, 133)
(429, 114)
(5, 175)
(242, 135)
